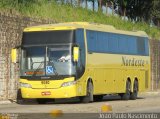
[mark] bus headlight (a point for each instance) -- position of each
(25, 85)
(68, 83)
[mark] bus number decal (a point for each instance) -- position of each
(45, 82)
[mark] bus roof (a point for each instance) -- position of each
(85, 25)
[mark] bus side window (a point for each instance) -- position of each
(140, 46)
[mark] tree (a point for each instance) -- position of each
(93, 4)
(135, 10)
(112, 4)
(79, 3)
(86, 4)
(85, 1)
(99, 5)
(122, 7)
(156, 12)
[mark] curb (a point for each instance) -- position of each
(5, 102)
(151, 93)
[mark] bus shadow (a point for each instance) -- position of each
(106, 98)
(115, 98)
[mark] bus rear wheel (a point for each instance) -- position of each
(135, 91)
(126, 95)
(89, 95)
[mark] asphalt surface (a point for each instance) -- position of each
(71, 108)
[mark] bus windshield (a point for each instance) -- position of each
(54, 60)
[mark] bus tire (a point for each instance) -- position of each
(98, 97)
(135, 91)
(20, 99)
(126, 95)
(89, 96)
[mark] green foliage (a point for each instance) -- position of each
(7, 3)
(68, 13)
(156, 12)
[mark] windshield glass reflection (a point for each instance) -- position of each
(47, 61)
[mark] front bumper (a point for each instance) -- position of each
(62, 92)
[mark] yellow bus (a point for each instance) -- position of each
(84, 60)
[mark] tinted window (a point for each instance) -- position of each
(132, 45)
(116, 43)
(122, 44)
(48, 37)
(92, 37)
(103, 45)
(146, 46)
(140, 45)
(113, 43)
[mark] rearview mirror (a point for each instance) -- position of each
(14, 55)
(75, 53)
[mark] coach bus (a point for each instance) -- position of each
(84, 60)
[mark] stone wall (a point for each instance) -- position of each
(11, 27)
(155, 64)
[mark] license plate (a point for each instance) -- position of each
(46, 93)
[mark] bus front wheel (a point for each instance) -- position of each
(20, 99)
(89, 95)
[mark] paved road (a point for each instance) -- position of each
(146, 103)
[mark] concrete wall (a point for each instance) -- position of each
(11, 27)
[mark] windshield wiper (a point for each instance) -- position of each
(38, 68)
(40, 65)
